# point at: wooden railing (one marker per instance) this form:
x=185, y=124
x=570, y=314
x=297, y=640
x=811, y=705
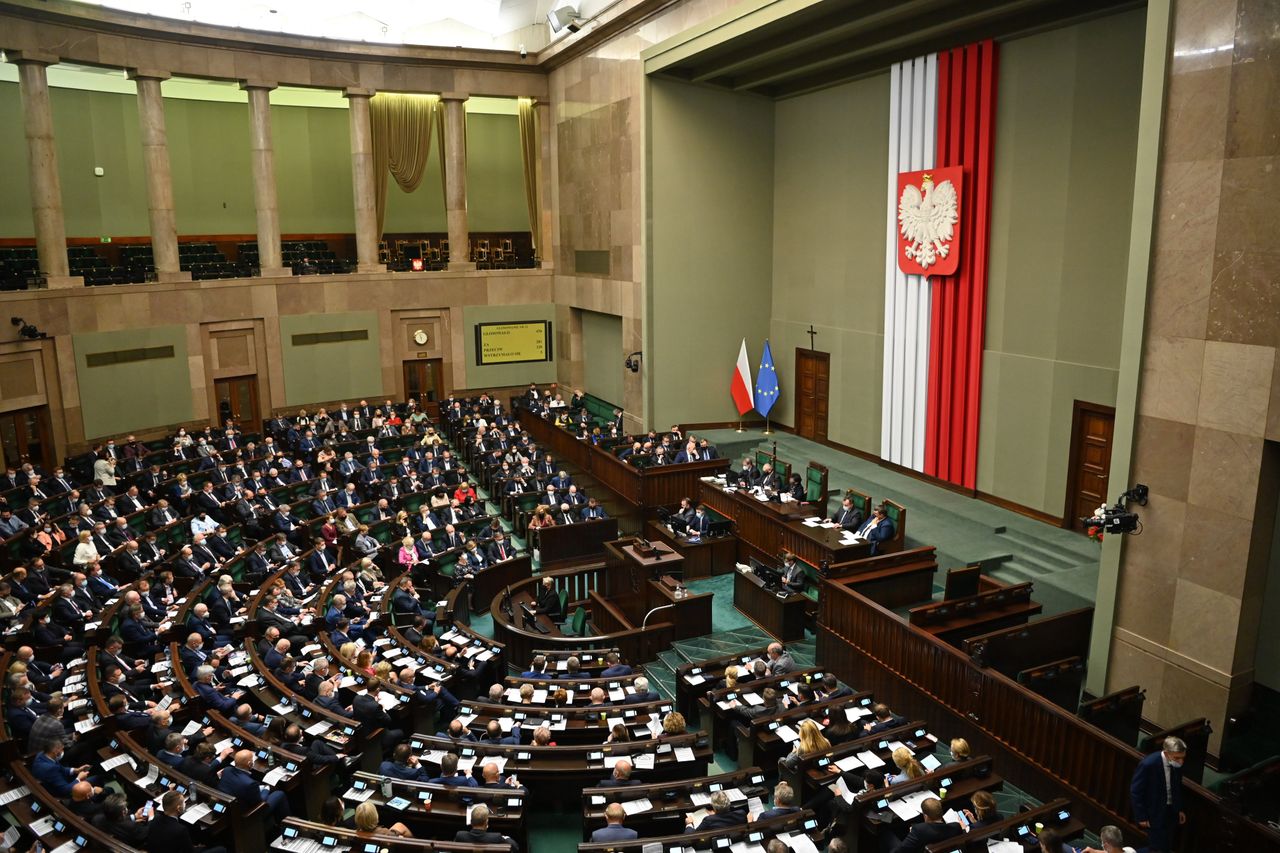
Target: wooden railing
x=662, y=485
x=1038, y=746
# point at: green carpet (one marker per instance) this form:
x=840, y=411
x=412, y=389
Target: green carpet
x=724, y=616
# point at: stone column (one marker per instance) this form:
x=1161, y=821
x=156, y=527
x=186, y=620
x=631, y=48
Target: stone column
x=262, y=156
x=1192, y=595
x=455, y=191
x=42, y=168
x=362, y=179
x=155, y=158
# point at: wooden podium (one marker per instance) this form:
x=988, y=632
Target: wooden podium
x=638, y=579
x=781, y=617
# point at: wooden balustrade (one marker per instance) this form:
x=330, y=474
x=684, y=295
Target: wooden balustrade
x=1039, y=747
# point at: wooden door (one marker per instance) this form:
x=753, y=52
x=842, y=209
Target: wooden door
x=424, y=381
x=1092, y=431
x=237, y=400
x=813, y=372
x=25, y=437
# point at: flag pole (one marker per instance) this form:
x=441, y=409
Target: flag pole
x=740, y=429
x=767, y=431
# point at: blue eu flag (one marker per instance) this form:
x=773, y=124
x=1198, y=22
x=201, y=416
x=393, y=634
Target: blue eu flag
x=766, y=383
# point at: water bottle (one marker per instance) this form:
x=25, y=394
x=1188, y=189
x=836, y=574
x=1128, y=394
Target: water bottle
x=386, y=788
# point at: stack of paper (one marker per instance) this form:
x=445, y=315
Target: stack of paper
x=799, y=842
x=908, y=807
x=636, y=806
x=275, y=776
x=192, y=814
x=870, y=760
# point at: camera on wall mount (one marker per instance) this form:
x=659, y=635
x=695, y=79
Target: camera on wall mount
x=633, y=362
x=26, y=329
x=1119, y=518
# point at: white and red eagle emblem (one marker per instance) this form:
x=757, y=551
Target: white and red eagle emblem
x=929, y=221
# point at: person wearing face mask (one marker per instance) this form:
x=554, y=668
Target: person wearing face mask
x=21, y=713
x=1156, y=794
x=56, y=635
x=700, y=523
x=56, y=778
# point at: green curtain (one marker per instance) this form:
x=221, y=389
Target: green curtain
x=400, y=129
x=529, y=145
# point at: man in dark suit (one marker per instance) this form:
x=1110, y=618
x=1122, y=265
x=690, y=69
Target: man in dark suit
x=613, y=830
x=239, y=782
x=848, y=517
x=167, y=833
x=699, y=523
x=877, y=529
x=366, y=709
x=479, y=832
x=404, y=765
x=327, y=698
x=50, y=772
x=640, y=692
x=621, y=776
x=793, y=577
x=616, y=668
x=593, y=511
x=784, y=798
x=832, y=689
x=929, y=830
x=722, y=816
x=548, y=603
x=747, y=477
x=499, y=549
x=21, y=713
x=405, y=600
x=881, y=719
x=1156, y=794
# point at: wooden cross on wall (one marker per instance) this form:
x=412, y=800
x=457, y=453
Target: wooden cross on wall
x=811, y=332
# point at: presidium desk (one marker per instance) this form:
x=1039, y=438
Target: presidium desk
x=767, y=528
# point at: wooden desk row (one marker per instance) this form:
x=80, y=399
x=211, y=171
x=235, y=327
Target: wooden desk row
x=768, y=528
x=662, y=485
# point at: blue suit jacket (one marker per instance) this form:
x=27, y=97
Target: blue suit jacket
x=56, y=778
x=614, y=833
x=1147, y=790
x=240, y=785
x=882, y=532
x=398, y=771
x=777, y=811
x=405, y=603
x=615, y=671
x=213, y=699
x=20, y=721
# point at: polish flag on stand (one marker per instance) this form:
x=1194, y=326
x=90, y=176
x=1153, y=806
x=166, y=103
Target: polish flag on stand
x=740, y=387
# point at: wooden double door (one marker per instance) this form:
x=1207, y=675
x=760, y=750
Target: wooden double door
x=813, y=393
x=25, y=437
x=238, y=400
x=424, y=381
